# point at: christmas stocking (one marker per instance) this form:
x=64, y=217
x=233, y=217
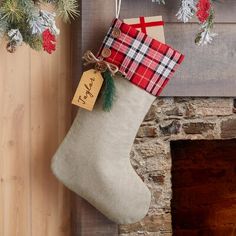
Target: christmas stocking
x=93, y=160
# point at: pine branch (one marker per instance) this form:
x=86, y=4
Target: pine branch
x=3, y=26
x=67, y=9
x=12, y=11
x=109, y=91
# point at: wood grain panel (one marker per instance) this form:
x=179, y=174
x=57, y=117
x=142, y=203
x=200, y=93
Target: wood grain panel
x=50, y=120
x=206, y=71
x=35, y=114
x=14, y=139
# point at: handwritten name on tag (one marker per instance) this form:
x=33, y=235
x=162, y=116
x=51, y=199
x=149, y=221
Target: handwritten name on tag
x=88, y=89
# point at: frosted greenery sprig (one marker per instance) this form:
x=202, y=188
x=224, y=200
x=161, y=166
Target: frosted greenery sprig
x=26, y=19
x=188, y=9
x=205, y=36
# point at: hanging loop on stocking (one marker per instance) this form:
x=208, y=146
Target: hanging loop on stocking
x=100, y=64
x=118, y=7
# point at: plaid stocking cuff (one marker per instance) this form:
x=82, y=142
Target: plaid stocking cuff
x=143, y=60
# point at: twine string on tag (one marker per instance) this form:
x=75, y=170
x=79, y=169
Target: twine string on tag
x=118, y=7
x=100, y=64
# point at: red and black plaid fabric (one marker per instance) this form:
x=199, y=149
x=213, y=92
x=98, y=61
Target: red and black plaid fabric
x=143, y=60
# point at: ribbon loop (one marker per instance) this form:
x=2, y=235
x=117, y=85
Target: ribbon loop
x=118, y=7
x=100, y=64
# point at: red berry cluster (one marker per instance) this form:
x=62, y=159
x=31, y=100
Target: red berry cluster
x=49, y=41
x=203, y=10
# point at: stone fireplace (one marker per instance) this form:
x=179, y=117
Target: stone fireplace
x=185, y=152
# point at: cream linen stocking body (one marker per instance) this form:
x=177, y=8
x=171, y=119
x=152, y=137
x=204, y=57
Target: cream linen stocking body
x=93, y=159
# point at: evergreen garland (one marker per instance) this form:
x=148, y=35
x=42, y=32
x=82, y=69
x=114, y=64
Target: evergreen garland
x=26, y=21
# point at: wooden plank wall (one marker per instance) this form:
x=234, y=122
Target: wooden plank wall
x=207, y=71
x=35, y=114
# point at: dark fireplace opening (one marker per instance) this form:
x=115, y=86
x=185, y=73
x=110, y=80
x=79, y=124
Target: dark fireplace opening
x=204, y=188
